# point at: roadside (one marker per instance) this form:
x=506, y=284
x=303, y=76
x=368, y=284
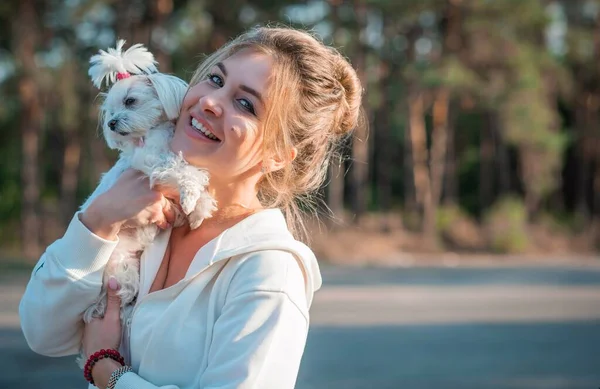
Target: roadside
x=393, y=240
x=417, y=327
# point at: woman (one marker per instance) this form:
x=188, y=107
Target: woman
x=226, y=305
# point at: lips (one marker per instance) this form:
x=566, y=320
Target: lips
x=202, y=129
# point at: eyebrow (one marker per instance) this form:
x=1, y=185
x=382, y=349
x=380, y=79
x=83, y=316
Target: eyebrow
x=245, y=88
x=222, y=67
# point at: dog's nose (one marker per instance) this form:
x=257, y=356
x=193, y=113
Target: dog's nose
x=112, y=124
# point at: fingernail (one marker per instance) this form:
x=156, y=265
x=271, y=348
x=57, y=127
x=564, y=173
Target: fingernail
x=112, y=283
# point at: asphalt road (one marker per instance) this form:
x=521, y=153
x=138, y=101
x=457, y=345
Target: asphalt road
x=382, y=328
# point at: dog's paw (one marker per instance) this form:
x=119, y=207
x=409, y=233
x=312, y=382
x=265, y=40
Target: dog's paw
x=195, y=219
x=81, y=360
x=128, y=294
x=188, y=200
x=95, y=310
x=205, y=206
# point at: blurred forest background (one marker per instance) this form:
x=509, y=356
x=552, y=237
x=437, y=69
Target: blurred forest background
x=484, y=125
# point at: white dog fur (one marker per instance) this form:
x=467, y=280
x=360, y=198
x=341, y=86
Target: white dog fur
x=138, y=115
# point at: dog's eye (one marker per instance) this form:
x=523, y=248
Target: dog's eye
x=129, y=101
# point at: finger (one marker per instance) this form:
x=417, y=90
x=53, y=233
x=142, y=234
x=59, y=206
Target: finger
x=161, y=222
x=159, y=219
x=168, y=192
x=113, y=305
x=168, y=210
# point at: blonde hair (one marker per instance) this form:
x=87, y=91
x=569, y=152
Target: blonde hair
x=314, y=103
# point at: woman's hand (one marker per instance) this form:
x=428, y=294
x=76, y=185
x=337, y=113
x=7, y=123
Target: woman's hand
x=128, y=203
x=104, y=333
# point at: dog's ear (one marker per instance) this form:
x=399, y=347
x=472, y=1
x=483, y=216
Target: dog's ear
x=170, y=91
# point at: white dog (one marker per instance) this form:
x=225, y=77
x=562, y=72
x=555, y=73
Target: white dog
x=138, y=115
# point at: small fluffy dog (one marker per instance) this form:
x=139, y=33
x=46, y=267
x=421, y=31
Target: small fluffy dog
x=138, y=115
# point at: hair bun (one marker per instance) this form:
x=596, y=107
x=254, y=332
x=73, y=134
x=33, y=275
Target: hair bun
x=348, y=112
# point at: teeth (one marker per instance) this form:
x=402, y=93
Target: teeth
x=198, y=126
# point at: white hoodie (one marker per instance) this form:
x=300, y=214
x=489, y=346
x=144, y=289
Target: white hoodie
x=238, y=319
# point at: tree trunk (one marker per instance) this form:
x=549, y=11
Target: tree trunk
x=385, y=160
x=383, y=152
x=335, y=189
x=160, y=10
x=418, y=135
x=595, y=230
x=124, y=21
x=99, y=161
x=453, y=45
x=26, y=33
x=385, y=164
x=592, y=108
x=486, y=155
x=450, y=192
x=410, y=193
x=582, y=157
x=68, y=185
x=225, y=22
x=439, y=142
x=360, y=144
x=502, y=158
x=529, y=161
x=70, y=121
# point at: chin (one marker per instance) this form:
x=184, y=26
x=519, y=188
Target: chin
x=178, y=143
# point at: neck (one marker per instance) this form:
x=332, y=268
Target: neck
x=233, y=211
x=236, y=199
x=223, y=218
x=233, y=203
x=241, y=194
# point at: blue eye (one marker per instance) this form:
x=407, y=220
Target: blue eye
x=215, y=79
x=247, y=105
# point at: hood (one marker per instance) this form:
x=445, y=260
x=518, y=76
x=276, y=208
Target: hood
x=265, y=230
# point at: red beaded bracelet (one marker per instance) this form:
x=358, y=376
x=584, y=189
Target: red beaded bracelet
x=98, y=355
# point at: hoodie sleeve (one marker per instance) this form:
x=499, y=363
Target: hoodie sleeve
x=63, y=284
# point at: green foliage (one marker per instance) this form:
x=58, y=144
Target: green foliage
x=506, y=226
x=531, y=122
x=450, y=73
x=447, y=216
x=10, y=188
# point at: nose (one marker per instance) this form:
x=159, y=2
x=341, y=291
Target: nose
x=112, y=124
x=210, y=104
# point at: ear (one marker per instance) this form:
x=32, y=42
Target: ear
x=275, y=163
x=170, y=91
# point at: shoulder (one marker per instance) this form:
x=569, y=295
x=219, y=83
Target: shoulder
x=271, y=271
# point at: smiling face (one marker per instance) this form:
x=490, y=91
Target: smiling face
x=221, y=124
